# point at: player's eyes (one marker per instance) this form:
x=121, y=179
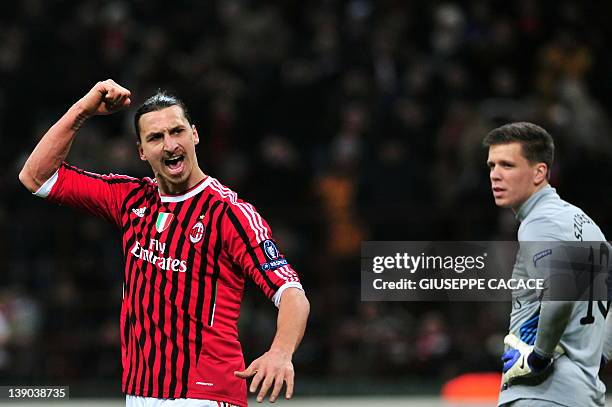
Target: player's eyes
x=502, y=165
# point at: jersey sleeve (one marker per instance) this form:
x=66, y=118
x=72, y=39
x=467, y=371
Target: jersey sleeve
x=99, y=195
x=554, y=318
x=251, y=246
x=546, y=257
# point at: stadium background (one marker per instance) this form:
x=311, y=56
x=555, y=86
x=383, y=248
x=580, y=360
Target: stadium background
x=341, y=121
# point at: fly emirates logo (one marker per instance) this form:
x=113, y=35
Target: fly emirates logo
x=155, y=254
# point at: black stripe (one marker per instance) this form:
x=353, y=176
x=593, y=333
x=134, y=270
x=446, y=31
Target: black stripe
x=202, y=280
x=126, y=333
x=124, y=205
x=101, y=178
x=174, y=310
x=243, y=235
x=215, y=276
x=125, y=338
x=186, y=319
x=131, y=225
x=146, y=192
x=135, y=357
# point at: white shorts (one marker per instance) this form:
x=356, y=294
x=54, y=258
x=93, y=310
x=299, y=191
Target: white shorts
x=139, y=401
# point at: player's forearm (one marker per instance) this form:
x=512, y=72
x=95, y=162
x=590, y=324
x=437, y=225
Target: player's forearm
x=292, y=316
x=554, y=317
x=52, y=149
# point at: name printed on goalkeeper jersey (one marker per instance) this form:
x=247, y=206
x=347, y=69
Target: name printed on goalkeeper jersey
x=165, y=263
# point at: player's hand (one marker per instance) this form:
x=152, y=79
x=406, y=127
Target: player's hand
x=521, y=362
x=270, y=370
x=104, y=98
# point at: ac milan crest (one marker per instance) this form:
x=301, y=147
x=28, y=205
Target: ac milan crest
x=197, y=231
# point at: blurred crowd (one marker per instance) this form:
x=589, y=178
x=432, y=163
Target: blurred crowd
x=341, y=121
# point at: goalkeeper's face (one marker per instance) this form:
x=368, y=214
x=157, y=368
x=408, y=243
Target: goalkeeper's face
x=513, y=178
x=167, y=143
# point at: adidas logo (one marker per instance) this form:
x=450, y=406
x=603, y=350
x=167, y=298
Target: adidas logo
x=140, y=212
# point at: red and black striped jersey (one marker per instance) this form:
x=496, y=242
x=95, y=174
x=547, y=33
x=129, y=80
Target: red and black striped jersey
x=186, y=260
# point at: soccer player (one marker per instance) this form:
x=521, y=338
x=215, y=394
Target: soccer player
x=555, y=356
x=189, y=243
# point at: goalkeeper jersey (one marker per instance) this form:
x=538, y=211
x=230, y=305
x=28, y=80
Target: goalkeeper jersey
x=545, y=217
x=186, y=261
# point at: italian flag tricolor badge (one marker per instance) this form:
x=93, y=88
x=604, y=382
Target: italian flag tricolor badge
x=163, y=221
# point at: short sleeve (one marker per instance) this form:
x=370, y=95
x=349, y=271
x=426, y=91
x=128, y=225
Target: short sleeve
x=99, y=195
x=251, y=246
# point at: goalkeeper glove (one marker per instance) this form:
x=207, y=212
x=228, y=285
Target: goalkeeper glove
x=521, y=362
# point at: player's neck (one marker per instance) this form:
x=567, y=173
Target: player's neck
x=538, y=188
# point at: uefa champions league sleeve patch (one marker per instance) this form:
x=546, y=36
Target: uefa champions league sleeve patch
x=270, y=249
x=273, y=255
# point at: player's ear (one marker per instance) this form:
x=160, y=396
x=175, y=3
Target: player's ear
x=540, y=173
x=141, y=153
x=196, y=137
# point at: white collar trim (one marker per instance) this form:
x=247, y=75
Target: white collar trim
x=192, y=193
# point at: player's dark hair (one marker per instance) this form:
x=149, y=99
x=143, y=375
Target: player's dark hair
x=537, y=145
x=159, y=101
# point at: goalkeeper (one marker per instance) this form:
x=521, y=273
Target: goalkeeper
x=555, y=348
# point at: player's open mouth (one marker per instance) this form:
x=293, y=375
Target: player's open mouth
x=175, y=164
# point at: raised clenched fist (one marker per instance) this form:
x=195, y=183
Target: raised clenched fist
x=104, y=98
